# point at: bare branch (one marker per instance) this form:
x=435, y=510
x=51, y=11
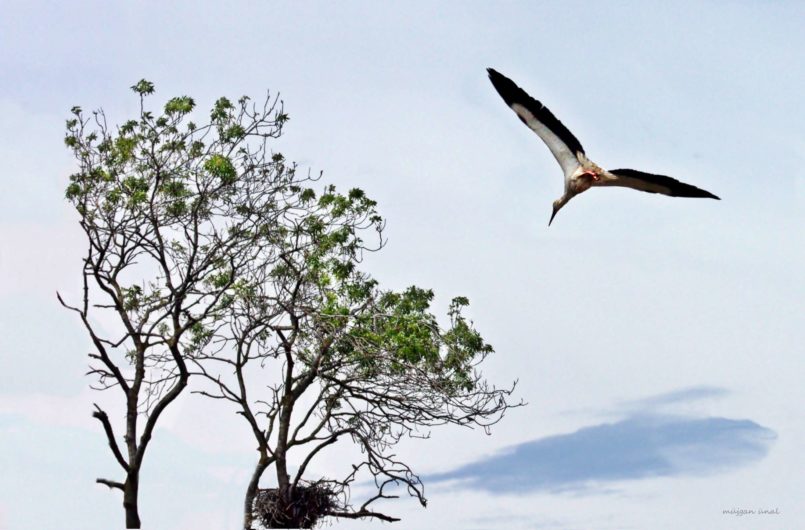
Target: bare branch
x=110, y=436
x=110, y=483
x=362, y=514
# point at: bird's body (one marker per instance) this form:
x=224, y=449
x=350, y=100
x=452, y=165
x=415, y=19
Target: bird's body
x=580, y=172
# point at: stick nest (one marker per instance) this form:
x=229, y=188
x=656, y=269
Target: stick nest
x=304, y=509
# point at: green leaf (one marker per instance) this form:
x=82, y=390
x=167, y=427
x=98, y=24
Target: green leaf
x=307, y=195
x=177, y=208
x=196, y=148
x=235, y=132
x=143, y=87
x=124, y=147
x=180, y=105
x=73, y=191
x=132, y=298
x=128, y=127
x=220, y=110
x=221, y=167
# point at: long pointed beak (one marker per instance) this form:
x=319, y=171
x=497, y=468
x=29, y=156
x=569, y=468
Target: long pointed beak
x=553, y=215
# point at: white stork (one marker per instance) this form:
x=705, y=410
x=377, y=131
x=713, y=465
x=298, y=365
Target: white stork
x=580, y=172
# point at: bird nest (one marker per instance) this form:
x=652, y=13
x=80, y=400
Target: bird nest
x=304, y=509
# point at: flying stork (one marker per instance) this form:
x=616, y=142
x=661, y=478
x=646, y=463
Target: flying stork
x=580, y=172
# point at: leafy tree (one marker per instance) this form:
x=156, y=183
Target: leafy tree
x=344, y=360
x=174, y=215
x=209, y=255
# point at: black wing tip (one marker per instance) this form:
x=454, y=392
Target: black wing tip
x=690, y=191
x=507, y=88
x=707, y=195
x=675, y=187
x=493, y=73
x=514, y=95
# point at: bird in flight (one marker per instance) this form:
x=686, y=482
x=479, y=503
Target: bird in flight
x=580, y=172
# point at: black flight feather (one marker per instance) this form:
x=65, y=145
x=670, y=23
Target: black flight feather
x=511, y=94
x=675, y=188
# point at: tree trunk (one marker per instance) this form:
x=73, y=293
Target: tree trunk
x=280, y=462
x=283, y=479
x=130, y=499
x=251, y=493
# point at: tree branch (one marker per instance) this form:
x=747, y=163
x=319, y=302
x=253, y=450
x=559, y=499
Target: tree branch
x=363, y=513
x=111, y=483
x=110, y=436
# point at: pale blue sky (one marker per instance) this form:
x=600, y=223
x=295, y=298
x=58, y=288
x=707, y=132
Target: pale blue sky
x=685, y=312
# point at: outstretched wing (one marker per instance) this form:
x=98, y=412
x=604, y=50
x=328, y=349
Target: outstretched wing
x=563, y=145
x=638, y=180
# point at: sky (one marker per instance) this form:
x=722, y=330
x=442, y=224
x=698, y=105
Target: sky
x=657, y=341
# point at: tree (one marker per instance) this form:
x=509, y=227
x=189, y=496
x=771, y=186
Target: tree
x=174, y=215
x=209, y=255
x=342, y=360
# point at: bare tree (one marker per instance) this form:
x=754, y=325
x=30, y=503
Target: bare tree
x=343, y=361
x=174, y=215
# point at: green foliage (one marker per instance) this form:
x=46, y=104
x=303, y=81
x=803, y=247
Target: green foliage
x=220, y=280
x=250, y=260
x=158, y=178
x=397, y=332
x=143, y=87
x=233, y=132
x=196, y=148
x=128, y=127
x=221, y=168
x=159, y=190
x=173, y=167
x=180, y=105
x=409, y=329
x=307, y=195
x=73, y=191
x=132, y=297
x=221, y=111
x=136, y=188
x=200, y=336
x=124, y=149
x=174, y=188
x=384, y=332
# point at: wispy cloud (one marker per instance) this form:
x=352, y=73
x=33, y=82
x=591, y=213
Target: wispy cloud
x=684, y=395
x=645, y=444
